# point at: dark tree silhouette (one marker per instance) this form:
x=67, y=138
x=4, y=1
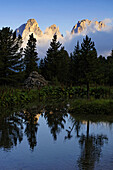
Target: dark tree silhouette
x=87, y=62
x=55, y=66
x=11, y=62
x=74, y=65
x=52, y=58
x=31, y=56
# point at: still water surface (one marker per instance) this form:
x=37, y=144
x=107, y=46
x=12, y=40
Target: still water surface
x=52, y=139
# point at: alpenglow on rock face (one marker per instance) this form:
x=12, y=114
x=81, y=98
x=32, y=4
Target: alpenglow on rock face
x=32, y=27
x=53, y=29
x=82, y=25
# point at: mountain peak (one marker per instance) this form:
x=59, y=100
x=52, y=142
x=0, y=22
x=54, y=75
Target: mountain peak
x=31, y=22
x=82, y=25
x=53, y=29
x=53, y=26
x=32, y=27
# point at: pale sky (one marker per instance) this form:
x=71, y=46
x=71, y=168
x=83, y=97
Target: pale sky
x=63, y=13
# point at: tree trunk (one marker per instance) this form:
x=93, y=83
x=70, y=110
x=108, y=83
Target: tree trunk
x=87, y=90
x=110, y=91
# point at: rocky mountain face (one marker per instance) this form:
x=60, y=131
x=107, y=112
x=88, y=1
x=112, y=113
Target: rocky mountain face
x=53, y=29
x=32, y=27
x=19, y=31
x=82, y=25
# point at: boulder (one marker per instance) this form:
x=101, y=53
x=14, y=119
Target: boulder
x=35, y=80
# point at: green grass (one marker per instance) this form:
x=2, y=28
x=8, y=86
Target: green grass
x=101, y=98
x=92, y=107
x=76, y=92
x=14, y=97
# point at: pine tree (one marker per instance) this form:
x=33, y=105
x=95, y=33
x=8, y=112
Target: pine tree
x=87, y=62
x=74, y=70
x=10, y=56
x=112, y=53
x=52, y=58
x=109, y=69
x=56, y=64
x=31, y=56
x=101, y=70
x=63, y=66
x=41, y=66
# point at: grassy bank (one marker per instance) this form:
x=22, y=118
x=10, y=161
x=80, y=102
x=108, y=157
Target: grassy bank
x=14, y=97
x=92, y=107
x=76, y=92
x=101, y=98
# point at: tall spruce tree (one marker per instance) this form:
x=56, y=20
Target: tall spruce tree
x=56, y=64
x=112, y=53
x=109, y=69
x=52, y=58
x=87, y=62
x=31, y=56
x=63, y=66
x=102, y=71
x=41, y=66
x=74, y=65
x=10, y=56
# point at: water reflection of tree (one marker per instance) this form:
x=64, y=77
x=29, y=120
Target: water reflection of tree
x=11, y=127
x=91, y=148
x=76, y=124
x=31, y=117
x=55, y=116
x=91, y=145
x=10, y=131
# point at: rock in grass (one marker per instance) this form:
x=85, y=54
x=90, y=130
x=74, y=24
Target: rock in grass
x=35, y=80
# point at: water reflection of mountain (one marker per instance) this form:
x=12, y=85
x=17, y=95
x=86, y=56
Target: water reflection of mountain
x=14, y=127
